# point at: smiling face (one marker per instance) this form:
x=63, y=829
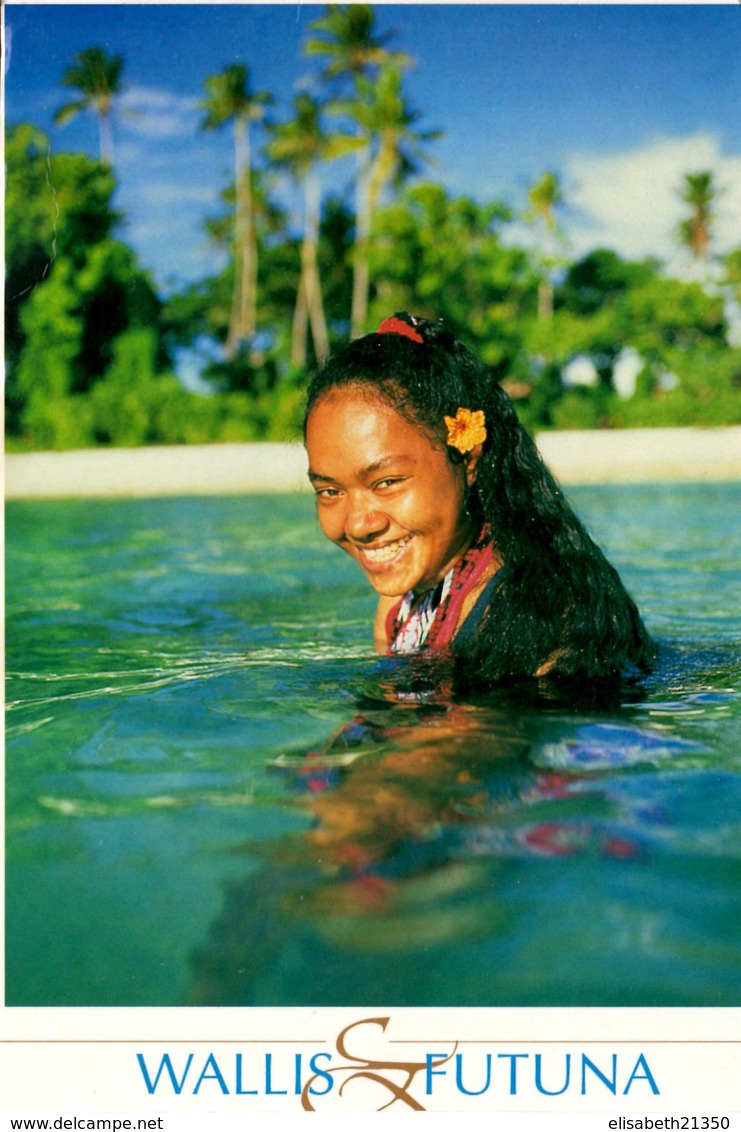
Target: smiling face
x=386, y=493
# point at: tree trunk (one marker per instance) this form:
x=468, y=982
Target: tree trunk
x=361, y=270
x=298, y=328
x=545, y=299
x=105, y=135
x=310, y=271
x=244, y=300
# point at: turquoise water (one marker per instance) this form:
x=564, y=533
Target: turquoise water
x=217, y=794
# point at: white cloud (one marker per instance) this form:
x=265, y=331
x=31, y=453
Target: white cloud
x=164, y=194
x=164, y=221
x=630, y=201
x=157, y=114
x=174, y=251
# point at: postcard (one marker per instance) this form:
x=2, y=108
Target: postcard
x=372, y=460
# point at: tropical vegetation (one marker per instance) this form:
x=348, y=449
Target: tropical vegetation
x=92, y=343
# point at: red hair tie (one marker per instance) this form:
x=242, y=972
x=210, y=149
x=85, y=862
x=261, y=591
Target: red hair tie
x=398, y=326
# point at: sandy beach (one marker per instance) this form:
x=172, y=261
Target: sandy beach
x=625, y=456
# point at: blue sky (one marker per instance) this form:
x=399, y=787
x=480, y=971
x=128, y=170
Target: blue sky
x=619, y=100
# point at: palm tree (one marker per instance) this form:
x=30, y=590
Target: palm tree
x=355, y=50
x=543, y=197
x=230, y=99
x=300, y=145
x=349, y=38
x=267, y=218
x=400, y=146
x=97, y=76
x=395, y=149
x=695, y=232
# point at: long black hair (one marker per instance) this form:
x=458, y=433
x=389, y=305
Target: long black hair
x=556, y=599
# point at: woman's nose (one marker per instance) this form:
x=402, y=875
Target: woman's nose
x=363, y=520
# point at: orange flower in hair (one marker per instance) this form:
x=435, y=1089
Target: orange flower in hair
x=466, y=429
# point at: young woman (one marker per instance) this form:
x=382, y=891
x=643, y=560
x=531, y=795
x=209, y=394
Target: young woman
x=424, y=475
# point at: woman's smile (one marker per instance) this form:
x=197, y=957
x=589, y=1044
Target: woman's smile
x=387, y=493
x=384, y=556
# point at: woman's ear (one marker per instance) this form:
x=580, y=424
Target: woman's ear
x=472, y=459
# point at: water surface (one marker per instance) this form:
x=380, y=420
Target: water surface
x=217, y=794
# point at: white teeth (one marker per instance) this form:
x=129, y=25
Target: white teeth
x=384, y=553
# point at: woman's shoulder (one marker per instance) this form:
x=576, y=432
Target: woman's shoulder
x=483, y=588
x=385, y=612
x=476, y=601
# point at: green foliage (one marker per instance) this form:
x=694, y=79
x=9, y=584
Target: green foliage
x=245, y=373
x=200, y=310
x=88, y=340
x=732, y=272
x=666, y=313
x=96, y=76
x=600, y=278
x=74, y=328
x=56, y=208
x=444, y=257
x=230, y=96
x=695, y=232
x=335, y=243
x=125, y=400
x=583, y=408
x=567, y=334
x=115, y=295
x=347, y=36
x=77, y=301
x=703, y=389
x=41, y=382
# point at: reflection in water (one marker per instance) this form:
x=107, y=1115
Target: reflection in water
x=440, y=850
x=422, y=809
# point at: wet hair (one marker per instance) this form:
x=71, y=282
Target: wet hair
x=556, y=598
